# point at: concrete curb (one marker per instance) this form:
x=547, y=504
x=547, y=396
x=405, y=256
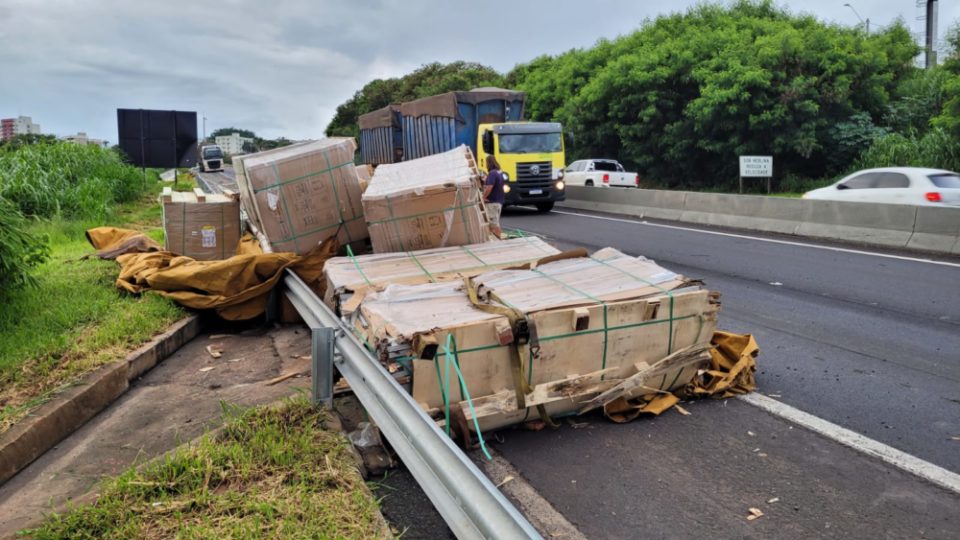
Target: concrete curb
x=67, y=412
x=918, y=228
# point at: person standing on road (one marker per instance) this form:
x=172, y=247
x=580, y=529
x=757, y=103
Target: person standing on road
x=493, y=194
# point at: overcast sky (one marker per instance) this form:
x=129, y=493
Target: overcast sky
x=280, y=67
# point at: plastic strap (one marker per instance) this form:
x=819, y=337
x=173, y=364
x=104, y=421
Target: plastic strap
x=279, y=183
x=450, y=351
x=606, y=326
x=357, y=264
x=336, y=193
x=463, y=214
x=661, y=289
x=286, y=211
x=392, y=219
x=474, y=255
x=425, y=271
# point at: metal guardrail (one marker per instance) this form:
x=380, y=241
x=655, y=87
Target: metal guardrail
x=466, y=499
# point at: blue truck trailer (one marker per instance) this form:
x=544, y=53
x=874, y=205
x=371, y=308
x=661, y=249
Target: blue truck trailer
x=530, y=153
x=380, y=136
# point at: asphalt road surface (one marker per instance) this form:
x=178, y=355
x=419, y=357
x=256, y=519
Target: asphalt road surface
x=868, y=341
x=216, y=182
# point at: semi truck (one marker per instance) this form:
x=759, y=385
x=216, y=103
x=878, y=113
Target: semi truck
x=211, y=158
x=489, y=121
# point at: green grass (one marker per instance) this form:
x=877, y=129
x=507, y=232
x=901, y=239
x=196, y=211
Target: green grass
x=273, y=472
x=74, y=319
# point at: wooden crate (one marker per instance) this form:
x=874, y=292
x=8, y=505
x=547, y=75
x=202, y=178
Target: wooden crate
x=598, y=322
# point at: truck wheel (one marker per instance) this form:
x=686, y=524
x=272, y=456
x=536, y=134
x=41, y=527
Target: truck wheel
x=544, y=206
x=588, y=183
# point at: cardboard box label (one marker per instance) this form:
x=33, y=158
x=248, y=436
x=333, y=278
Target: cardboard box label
x=208, y=236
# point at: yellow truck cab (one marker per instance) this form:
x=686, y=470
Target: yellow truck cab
x=531, y=155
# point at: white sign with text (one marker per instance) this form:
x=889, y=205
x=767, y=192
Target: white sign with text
x=756, y=166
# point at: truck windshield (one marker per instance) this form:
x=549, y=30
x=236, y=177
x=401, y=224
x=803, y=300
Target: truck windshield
x=212, y=153
x=529, y=143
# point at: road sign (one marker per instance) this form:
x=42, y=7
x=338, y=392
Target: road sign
x=756, y=166
x=164, y=139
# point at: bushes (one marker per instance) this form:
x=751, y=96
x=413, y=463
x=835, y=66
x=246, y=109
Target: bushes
x=67, y=180
x=19, y=250
x=54, y=179
x=936, y=149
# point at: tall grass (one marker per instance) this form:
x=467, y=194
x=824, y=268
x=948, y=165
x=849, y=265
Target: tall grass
x=936, y=149
x=67, y=180
x=54, y=180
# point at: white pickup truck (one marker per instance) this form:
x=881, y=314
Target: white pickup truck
x=599, y=172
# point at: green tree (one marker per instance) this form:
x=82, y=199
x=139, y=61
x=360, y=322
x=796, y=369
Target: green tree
x=949, y=117
x=681, y=97
x=428, y=80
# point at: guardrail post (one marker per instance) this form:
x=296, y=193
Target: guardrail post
x=322, y=342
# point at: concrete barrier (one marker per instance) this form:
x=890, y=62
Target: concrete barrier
x=922, y=228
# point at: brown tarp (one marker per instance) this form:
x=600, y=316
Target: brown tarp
x=446, y=104
x=236, y=288
x=383, y=117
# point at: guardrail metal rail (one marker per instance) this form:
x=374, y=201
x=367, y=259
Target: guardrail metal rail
x=466, y=499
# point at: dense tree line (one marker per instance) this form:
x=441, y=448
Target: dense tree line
x=680, y=98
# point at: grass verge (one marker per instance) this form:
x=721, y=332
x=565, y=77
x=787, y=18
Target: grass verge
x=272, y=472
x=75, y=319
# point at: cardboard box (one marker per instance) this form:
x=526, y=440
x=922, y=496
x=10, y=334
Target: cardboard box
x=202, y=226
x=345, y=276
x=300, y=195
x=426, y=203
x=578, y=327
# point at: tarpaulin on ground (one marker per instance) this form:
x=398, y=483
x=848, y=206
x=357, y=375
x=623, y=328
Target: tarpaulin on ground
x=236, y=288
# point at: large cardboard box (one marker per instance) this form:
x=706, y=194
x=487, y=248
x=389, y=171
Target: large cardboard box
x=300, y=195
x=345, y=276
x=426, y=203
x=202, y=226
x=556, y=335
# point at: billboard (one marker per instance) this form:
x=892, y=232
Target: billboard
x=161, y=139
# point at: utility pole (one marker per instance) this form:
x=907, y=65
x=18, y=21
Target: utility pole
x=866, y=23
x=931, y=34
x=204, y=128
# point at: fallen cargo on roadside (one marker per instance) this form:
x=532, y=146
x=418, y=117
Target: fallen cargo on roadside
x=345, y=276
x=426, y=203
x=509, y=346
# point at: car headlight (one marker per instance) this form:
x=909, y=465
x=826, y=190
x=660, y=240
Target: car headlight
x=560, y=184
x=560, y=176
x=506, y=188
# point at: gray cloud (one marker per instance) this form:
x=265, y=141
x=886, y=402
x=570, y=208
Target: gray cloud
x=282, y=67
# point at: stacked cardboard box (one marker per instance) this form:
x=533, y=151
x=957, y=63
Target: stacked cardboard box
x=555, y=336
x=345, y=276
x=298, y=196
x=202, y=226
x=426, y=203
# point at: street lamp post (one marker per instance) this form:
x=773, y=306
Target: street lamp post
x=865, y=23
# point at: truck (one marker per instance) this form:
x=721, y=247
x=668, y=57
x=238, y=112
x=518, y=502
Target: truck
x=211, y=158
x=487, y=120
x=600, y=173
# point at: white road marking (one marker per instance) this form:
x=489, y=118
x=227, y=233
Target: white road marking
x=911, y=464
x=761, y=239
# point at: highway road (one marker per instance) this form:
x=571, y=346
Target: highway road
x=863, y=340
x=868, y=341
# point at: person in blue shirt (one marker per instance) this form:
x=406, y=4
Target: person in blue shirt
x=493, y=194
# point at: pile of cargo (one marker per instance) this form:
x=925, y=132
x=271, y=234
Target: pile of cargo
x=483, y=331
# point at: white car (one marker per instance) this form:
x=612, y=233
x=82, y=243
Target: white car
x=895, y=185
x=599, y=172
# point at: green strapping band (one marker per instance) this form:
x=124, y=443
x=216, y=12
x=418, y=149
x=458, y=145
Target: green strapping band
x=336, y=193
x=286, y=211
x=357, y=265
x=472, y=254
x=603, y=364
x=313, y=231
x=463, y=216
x=421, y=214
x=450, y=350
x=661, y=289
x=299, y=178
x=425, y=271
x=396, y=228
